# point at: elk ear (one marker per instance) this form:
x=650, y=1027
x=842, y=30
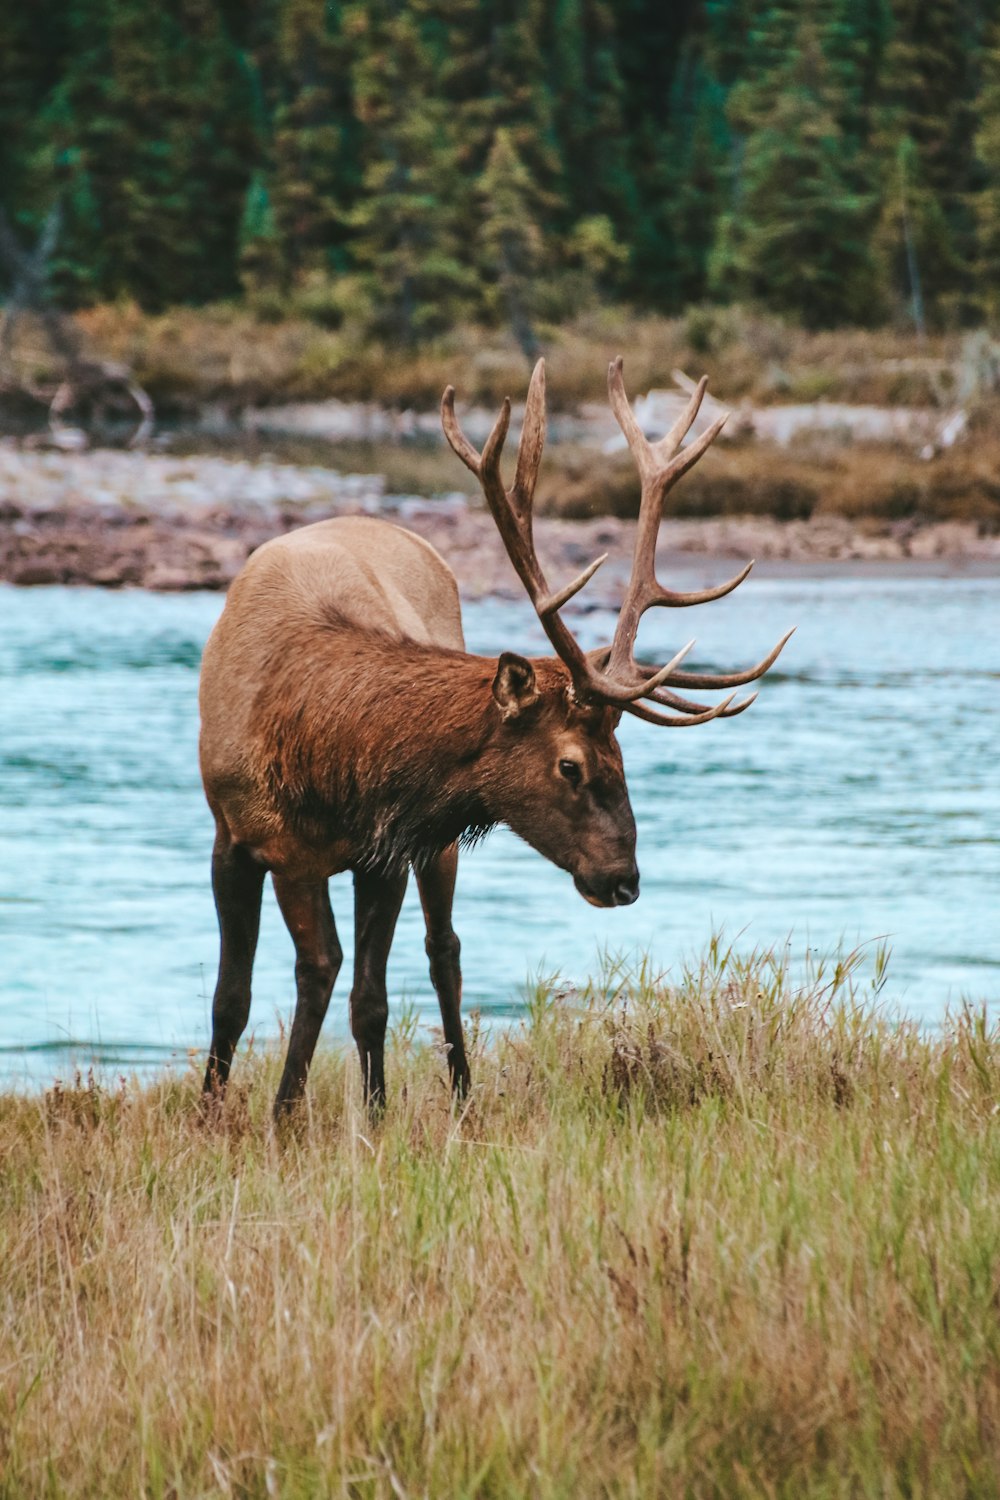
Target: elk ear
x=514, y=686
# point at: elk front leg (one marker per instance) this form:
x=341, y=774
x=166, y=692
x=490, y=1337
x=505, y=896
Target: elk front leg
x=237, y=882
x=436, y=883
x=377, y=899
x=305, y=906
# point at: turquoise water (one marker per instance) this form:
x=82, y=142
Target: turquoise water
x=859, y=798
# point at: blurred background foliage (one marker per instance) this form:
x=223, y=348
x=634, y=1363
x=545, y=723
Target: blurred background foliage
x=409, y=164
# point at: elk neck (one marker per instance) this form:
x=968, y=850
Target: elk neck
x=385, y=740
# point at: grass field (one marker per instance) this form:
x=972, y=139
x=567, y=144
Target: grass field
x=732, y=1238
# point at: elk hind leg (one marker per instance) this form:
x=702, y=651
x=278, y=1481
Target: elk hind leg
x=305, y=906
x=436, y=883
x=237, y=882
x=377, y=899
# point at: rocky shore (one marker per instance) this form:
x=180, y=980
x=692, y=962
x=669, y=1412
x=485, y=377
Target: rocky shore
x=117, y=519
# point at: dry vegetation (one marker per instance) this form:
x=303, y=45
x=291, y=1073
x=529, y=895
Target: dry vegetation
x=192, y=355
x=224, y=356
x=188, y=357
x=725, y=1239
x=876, y=484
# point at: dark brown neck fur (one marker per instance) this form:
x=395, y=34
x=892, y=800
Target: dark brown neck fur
x=381, y=741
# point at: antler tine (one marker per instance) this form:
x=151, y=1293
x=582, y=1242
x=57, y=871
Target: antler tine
x=667, y=446
x=556, y=601
x=642, y=689
x=687, y=458
x=529, y=449
x=513, y=526
x=511, y=510
x=625, y=417
x=687, y=705
x=612, y=674
x=682, y=721
x=453, y=432
x=660, y=466
x=732, y=679
x=674, y=600
x=649, y=456
x=598, y=658
x=621, y=694
x=663, y=695
x=489, y=462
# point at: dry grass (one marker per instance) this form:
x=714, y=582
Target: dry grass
x=867, y=482
x=876, y=482
x=729, y=1239
x=188, y=356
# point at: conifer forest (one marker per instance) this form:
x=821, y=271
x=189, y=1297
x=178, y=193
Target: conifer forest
x=419, y=162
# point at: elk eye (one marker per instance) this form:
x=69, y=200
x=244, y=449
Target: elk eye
x=571, y=770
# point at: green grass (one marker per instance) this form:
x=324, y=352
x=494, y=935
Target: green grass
x=733, y=1238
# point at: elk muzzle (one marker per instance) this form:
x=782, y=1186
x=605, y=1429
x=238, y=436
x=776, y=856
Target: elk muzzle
x=610, y=887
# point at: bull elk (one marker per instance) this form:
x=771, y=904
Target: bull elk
x=345, y=727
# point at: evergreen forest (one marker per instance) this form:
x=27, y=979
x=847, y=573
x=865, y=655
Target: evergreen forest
x=414, y=163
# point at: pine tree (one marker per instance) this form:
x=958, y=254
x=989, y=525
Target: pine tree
x=659, y=53
x=692, y=179
x=32, y=55
x=987, y=259
x=407, y=224
x=149, y=147
x=854, y=36
x=588, y=114
x=211, y=147
x=336, y=148
x=260, y=257
x=511, y=241
x=796, y=239
x=518, y=97
x=314, y=175
x=924, y=156
x=491, y=61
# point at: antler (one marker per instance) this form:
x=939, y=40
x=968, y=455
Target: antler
x=611, y=675
x=660, y=466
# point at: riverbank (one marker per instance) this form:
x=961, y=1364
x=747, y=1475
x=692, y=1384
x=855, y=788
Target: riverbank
x=848, y=446
x=116, y=519
x=724, y=1238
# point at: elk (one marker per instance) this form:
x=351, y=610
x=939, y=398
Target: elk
x=345, y=727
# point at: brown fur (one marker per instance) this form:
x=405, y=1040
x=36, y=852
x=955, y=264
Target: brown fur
x=345, y=727
x=341, y=751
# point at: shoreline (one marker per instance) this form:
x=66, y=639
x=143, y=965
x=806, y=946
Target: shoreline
x=697, y=1206
x=116, y=520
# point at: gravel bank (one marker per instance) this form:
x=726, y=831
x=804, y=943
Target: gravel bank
x=117, y=519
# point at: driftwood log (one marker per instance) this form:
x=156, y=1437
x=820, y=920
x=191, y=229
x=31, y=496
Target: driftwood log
x=83, y=381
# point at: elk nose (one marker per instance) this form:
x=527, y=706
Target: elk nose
x=627, y=890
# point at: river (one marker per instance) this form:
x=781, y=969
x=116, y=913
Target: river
x=858, y=799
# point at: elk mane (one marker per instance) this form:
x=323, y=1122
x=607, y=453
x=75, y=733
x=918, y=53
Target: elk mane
x=361, y=729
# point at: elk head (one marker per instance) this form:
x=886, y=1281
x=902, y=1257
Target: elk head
x=567, y=795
